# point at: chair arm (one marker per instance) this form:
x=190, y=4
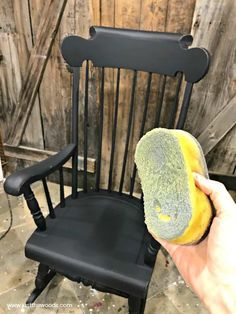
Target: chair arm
x=228, y=180
x=16, y=183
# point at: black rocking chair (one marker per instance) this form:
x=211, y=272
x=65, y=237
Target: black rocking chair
x=98, y=236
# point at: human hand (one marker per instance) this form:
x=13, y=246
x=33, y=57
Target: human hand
x=209, y=267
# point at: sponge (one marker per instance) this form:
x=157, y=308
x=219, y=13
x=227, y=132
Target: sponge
x=175, y=209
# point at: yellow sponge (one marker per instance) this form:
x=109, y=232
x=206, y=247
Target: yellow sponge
x=175, y=209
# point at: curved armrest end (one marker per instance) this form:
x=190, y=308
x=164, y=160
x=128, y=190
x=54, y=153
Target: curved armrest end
x=16, y=182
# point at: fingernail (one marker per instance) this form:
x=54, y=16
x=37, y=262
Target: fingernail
x=196, y=175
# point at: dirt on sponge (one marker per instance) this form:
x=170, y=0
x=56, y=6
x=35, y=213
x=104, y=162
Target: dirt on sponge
x=175, y=209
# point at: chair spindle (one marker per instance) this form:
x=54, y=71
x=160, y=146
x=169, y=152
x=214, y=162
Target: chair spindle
x=86, y=126
x=174, y=106
x=48, y=198
x=185, y=105
x=75, y=108
x=98, y=171
x=114, y=130
x=142, y=129
x=34, y=208
x=128, y=131
x=62, y=195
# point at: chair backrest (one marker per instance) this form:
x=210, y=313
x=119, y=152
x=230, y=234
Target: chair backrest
x=153, y=52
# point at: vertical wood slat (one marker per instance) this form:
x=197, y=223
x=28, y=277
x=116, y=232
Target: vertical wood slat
x=174, y=106
x=34, y=131
x=49, y=25
x=55, y=88
x=142, y=129
x=86, y=126
x=62, y=194
x=126, y=15
x=213, y=22
x=16, y=44
x=74, y=135
x=98, y=170
x=114, y=130
x=185, y=105
x=107, y=18
x=128, y=131
x=48, y=198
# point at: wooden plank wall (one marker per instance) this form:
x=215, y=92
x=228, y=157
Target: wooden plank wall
x=48, y=126
x=16, y=44
x=212, y=115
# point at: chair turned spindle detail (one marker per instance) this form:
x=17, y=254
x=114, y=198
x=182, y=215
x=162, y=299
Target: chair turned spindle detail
x=35, y=209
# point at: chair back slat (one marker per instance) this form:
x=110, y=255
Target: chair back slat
x=114, y=129
x=101, y=112
x=174, y=106
x=74, y=119
x=185, y=105
x=62, y=194
x=48, y=198
x=144, y=118
x=86, y=125
x=131, y=111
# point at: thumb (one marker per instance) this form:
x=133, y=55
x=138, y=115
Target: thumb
x=222, y=200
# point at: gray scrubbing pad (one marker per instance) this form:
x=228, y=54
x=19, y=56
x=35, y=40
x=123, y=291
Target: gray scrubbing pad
x=156, y=168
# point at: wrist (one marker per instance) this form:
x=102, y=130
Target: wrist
x=220, y=299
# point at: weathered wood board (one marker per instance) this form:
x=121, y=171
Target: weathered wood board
x=36, y=155
x=15, y=46
x=51, y=17
x=213, y=27
x=48, y=126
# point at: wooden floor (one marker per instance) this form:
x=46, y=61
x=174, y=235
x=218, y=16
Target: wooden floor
x=168, y=293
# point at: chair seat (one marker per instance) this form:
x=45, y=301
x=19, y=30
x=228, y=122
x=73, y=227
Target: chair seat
x=100, y=237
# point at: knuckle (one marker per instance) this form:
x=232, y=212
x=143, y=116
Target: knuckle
x=219, y=187
x=217, y=190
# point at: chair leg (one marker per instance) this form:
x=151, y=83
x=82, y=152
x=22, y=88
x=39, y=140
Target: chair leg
x=43, y=277
x=136, y=305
